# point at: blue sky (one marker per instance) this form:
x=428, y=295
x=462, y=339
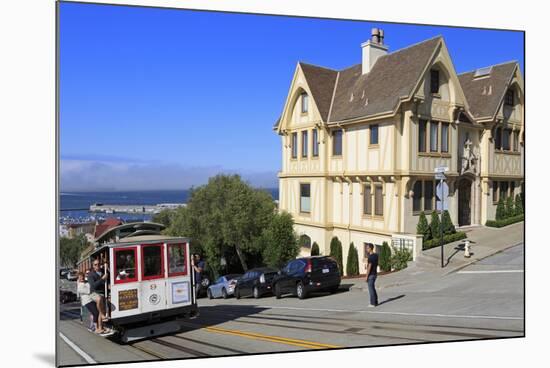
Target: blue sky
x=163, y=99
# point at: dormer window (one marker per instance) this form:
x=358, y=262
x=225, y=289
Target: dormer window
x=434, y=81
x=509, y=98
x=304, y=103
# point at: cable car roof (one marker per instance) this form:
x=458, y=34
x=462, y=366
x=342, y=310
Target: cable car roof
x=139, y=240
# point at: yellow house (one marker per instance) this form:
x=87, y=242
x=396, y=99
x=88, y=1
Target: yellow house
x=360, y=145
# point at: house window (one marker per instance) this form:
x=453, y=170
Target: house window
x=509, y=98
x=495, y=191
x=516, y=141
x=428, y=195
x=434, y=81
x=378, y=201
x=374, y=134
x=417, y=196
x=503, y=190
x=294, y=145
x=498, y=138
x=422, y=135
x=444, y=137
x=304, y=143
x=434, y=130
x=337, y=142
x=506, y=139
x=305, y=198
x=305, y=101
x=315, y=146
x=367, y=200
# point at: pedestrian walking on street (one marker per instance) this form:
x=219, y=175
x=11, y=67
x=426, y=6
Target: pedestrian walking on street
x=372, y=272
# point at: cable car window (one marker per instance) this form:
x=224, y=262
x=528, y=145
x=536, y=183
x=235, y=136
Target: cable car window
x=125, y=265
x=176, y=260
x=152, y=261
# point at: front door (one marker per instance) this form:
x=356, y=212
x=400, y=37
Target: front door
x=464, y=202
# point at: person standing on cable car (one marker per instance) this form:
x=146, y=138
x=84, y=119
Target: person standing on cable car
x=198, y=269
x=96, y=279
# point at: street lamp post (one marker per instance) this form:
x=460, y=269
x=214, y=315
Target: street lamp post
x=440, y=175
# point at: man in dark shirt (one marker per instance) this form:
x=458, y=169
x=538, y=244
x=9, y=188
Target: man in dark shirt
x=198, y=268
x=372, y=272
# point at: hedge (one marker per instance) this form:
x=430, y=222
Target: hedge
x=446, y=239
x=505, y=222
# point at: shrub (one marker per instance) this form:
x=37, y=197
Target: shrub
x=435, y=225
x=501, y=211
x=509, y=207
x=519, y=206
x=446, y=239
x=400, y=257
x=504, y=222
x=336, y=253
x=315, y=249
x=448, y=227
x=352, y=266
x=385, y=257
x=422, y=228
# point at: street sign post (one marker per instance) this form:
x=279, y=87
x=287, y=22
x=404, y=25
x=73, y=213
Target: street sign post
x=440, y=175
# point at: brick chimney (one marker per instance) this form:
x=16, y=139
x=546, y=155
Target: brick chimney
x=373, y=49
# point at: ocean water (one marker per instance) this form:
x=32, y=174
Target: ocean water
x=74, y=205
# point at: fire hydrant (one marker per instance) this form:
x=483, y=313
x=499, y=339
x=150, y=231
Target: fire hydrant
x=466, y=249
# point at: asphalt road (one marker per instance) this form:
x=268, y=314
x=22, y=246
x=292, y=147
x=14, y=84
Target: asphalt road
x=482, y=301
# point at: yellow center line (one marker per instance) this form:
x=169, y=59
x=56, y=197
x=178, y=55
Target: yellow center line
x=277, y=339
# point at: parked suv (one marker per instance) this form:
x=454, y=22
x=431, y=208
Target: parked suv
x=305, y=275
x=255, y=282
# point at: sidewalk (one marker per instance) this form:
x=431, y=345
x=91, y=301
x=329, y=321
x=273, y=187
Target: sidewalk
x=484, y=242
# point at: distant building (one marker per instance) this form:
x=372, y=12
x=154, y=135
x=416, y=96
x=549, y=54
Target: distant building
x=360, y=145
x=75, y=230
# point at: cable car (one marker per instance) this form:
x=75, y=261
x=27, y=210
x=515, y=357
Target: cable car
x=150, y=286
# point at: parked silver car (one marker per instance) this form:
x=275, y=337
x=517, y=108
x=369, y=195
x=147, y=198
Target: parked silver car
x=223, y=287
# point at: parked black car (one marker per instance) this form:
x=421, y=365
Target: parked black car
x=302, y=276
x=255, y=282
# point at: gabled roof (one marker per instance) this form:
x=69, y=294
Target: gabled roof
x=484, y=94
x=106, y=225
x=393, y=77
x=321, y=83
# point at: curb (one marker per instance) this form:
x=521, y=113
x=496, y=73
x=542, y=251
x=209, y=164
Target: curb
x=456, y=269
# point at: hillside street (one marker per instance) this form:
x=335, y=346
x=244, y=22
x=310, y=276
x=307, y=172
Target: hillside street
x=478, y=298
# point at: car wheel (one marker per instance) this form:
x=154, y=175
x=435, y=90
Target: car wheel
x=300, y=291
x=237, y=294
x=209, y=293
x=224, y=293
x=277, y=291
x=256, y=292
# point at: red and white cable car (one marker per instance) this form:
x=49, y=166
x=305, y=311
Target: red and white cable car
x=150, y=286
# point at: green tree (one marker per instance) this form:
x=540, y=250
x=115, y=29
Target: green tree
x=228, y=214
x=315, y=249
x=70, y=249
x=435, y=225
x=352, y=265
x=336, y=253
x=280, y=243
x=385, y=257
x=448, y=227
x=519, y=205
x=164, y=217
x=509, y=207
x=422, y=228
x=501, y=211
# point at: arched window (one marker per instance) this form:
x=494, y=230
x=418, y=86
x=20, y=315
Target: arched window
x=305, y=241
